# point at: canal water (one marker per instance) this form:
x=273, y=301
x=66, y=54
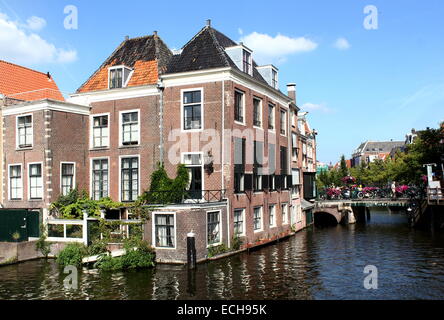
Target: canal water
x=323, y=263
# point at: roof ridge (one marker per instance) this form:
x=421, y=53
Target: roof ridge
x=195, y=36
x=23, y=67
x=218, y=46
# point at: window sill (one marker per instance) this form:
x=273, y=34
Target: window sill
x=240, y=123
x=24, y=149
x=257, y=127
x=130, y=146
x=257, y=231
x=99, y=149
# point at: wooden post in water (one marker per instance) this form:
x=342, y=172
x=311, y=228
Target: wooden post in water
x=191, y=250
x=367, y=210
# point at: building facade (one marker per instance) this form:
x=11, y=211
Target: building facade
x=209, y=107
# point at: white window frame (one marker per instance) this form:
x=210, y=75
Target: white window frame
x=29, y=182
x=272, y=208
x=17, y=142
x=250, y=61
x=276, y=85
x=262, y=219
x=243, y=233
x=182, y=158
x=285, y=122
x=153, y=238
x=9, y=181
x=274, y=117
x=220, y=228
x=243, y=106
x=202, y=109
x=286, y=221
x=91, y=176
x=260, y=112
x=124, y=84
x=61, y=176
x=91, y=129
x=120, y=174
x=121, y=145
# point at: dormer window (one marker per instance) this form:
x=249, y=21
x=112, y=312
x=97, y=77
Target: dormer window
x=119, y=77
x=270, y=74
x=274, y=78
x=246, y=62
x=242, y=58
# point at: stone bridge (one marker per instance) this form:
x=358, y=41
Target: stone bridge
x=350, y=211
x=328, y=212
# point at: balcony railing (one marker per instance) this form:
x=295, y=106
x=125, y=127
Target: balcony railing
x=167, y=197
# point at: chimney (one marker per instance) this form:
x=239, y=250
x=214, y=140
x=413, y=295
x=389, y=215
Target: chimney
x=48, y=75
x=126, y=38
x=291, y=89
x=208, y=22
x=155, y=33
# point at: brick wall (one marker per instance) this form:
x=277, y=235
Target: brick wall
x=148, y=148
x=57, y=136
x=192, y=218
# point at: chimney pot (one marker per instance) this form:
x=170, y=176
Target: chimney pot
x=155, y=32
x=126, y=38
x=208, y=22
x=291, y=91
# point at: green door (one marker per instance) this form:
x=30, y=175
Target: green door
x=33, y=224
x=19, y=225
x=13, y=225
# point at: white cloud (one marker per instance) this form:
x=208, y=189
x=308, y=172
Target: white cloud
x=35, y=23
x=20, y=46
x=342, y=44
x=266, y=47
x=322, y=107
x=241, y=32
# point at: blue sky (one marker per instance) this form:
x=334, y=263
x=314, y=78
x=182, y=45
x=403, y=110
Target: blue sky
x=357, y=84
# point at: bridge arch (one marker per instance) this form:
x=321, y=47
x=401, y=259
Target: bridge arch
x=327, y=216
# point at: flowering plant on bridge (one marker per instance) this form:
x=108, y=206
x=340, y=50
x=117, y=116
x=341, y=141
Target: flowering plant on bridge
x=348, y=180
x=402, y=189
x=333, y=192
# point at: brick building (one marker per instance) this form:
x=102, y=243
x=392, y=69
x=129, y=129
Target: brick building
x=19, y=84
x=209, y=107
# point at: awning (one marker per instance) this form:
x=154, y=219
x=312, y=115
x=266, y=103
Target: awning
x=306, y=205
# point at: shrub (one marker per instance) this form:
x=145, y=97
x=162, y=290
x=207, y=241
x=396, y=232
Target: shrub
x=42, y=245
x=214, y=251
x=97, y=247
x=72, y=255
x=141, y=256
x=236, y=243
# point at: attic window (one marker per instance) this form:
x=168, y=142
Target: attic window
x=274, y=78
x=246, y=61
x=119, y=77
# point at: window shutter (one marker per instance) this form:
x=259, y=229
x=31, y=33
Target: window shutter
x=277, y=181
x=265, y=180
x=248, y=182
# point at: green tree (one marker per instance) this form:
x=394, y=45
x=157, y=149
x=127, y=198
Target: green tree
x=343, y=170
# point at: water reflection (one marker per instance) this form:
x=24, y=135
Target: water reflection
x=315, y=264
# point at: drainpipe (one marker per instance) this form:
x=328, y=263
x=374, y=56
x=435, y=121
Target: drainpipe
x=223, y=162
x=161, y=88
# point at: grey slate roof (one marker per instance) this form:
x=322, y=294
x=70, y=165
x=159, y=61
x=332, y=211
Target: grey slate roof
x=384, y=146
x=206, y=50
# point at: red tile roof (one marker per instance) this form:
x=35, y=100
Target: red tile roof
x=26, y=84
